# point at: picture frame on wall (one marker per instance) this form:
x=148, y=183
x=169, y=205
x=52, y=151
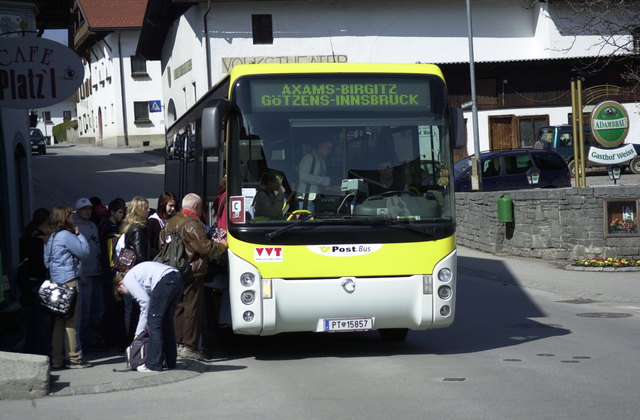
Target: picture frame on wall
x=621, y=217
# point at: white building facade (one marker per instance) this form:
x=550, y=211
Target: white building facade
x=120, y=101
x=205, y=42
x=52, y=115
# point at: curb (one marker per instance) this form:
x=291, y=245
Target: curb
x=186, y=369
x=605, y=269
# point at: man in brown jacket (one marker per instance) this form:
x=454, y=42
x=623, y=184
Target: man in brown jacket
x=199, y=249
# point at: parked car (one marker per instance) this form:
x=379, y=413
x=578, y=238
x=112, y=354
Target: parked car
x=514, y=170
x=38, y=141
x=559, y=138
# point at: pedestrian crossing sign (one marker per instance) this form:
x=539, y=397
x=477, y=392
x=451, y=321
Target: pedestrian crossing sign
x=155, y=106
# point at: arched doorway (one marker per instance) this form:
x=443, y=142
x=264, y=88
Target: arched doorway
x=100, y=124
x=171, y=113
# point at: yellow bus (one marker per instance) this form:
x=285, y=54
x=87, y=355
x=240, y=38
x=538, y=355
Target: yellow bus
x=356, y=160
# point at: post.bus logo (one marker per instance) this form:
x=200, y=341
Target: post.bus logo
x=268, y=254
x=344, y=250
x=610, y=123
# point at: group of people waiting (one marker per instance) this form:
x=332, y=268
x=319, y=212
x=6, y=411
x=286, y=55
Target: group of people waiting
x=76, y=247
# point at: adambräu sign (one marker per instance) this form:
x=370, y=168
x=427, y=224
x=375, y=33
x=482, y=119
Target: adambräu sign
x=37, y=72
x=610, y=126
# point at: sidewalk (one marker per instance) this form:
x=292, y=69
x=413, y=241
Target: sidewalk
x=556, y=277
x=109, y=373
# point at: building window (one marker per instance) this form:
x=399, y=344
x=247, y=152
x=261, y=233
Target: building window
x=621, y=217
x=262, y=28
x=138, y=66
x=141, y=112
x=528, y=129
x=47, y=117
x=66, y=115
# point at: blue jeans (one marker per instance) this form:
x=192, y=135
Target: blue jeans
x=91, y=310
x=162, y=336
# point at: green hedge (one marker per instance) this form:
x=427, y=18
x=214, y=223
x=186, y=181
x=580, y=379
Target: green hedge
x=60, y=131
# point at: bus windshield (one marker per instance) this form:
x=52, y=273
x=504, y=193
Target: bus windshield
x=339, y=149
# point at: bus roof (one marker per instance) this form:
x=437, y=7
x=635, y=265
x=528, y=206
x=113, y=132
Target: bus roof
x=302, y=68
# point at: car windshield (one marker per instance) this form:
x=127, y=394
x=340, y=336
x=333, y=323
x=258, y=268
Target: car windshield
x=35, y=132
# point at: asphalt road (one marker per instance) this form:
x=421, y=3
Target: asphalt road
x=68, y=172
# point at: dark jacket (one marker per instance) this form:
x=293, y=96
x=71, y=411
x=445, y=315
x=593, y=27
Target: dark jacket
x=267, y=204
x=138, y=240
x=200, y=249
x=36, y=270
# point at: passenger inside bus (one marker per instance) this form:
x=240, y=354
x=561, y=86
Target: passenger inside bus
x=312, y=174
x=388, y=178
x=270, y=200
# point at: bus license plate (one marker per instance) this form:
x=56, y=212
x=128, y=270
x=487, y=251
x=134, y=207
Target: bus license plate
x=359, y=324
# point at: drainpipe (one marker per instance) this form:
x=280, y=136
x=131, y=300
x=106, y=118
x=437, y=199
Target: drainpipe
x=123, y=92
x=207, y=45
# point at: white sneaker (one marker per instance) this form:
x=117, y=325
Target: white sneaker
x=144, y=368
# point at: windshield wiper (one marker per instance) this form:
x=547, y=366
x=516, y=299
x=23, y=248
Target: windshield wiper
x=428, y=230
x=272, y=235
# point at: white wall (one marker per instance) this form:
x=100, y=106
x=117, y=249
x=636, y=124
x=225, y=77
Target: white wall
x=384, y=31
x=106, y=98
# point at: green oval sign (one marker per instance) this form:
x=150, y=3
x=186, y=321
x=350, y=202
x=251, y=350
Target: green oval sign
x=610, y=123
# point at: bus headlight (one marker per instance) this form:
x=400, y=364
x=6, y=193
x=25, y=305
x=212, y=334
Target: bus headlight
x=444, y=292
x=445, y=275
x=445, y=310
x=248, y=297
x=248, y=316
x=247, y=279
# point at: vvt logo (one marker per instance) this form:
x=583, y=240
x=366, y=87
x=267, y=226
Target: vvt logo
x=268, y=254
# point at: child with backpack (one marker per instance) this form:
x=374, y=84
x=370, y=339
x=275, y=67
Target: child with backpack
x=156, y=287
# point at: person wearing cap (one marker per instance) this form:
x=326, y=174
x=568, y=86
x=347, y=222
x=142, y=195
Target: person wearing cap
x=91, y=280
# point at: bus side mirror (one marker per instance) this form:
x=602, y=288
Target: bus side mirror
x=214, y=117
x=459, y=128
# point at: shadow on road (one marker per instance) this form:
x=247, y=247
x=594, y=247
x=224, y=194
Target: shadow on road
x=492, y=311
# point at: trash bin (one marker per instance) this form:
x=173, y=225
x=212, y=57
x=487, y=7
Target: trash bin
x=505, y=209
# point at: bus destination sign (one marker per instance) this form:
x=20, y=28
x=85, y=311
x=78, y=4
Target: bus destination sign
x=287, y=95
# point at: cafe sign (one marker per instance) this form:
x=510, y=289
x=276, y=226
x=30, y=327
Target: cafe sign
x=37, y=72
x=610, y=123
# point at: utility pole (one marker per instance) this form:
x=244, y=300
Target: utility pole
x=476, y=173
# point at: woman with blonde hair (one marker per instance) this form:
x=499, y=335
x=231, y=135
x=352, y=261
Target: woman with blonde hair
x=134, y=229
x=63, y=249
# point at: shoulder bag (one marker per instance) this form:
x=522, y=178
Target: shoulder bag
x=58, y=298
x=126, y=257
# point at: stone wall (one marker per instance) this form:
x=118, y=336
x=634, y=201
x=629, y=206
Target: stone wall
x=553, y=224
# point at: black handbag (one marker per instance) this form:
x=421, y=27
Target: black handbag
x=58, y=298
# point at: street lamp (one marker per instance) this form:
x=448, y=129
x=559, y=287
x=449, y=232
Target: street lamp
x=614, y=173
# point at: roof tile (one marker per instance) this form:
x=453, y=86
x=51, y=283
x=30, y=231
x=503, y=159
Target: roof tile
x=111, y=14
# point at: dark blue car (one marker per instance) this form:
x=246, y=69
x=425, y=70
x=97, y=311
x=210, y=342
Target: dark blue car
x=515, y=170
x=38, y=141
